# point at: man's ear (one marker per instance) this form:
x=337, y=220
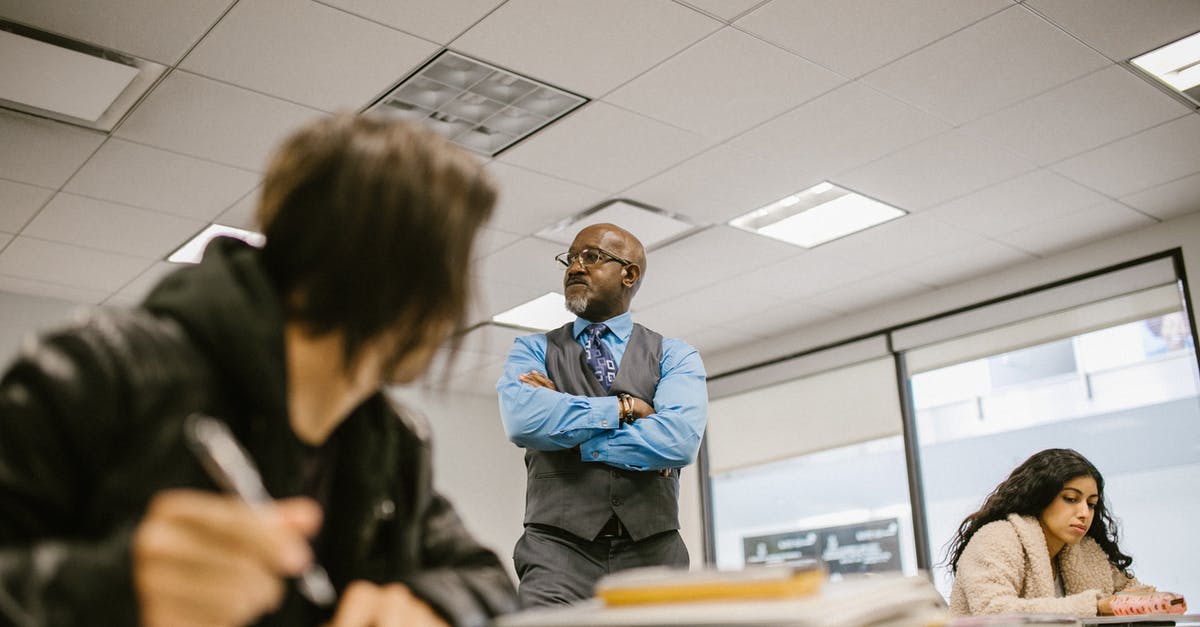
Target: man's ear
x=631, y=272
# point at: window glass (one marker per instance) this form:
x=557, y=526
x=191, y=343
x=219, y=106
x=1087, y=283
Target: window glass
x=846, y=508
x=1125, y=396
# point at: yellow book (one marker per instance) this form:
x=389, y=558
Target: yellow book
x=665, y=585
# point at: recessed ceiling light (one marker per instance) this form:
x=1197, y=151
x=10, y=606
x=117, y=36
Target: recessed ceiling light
x=1176, y=64
x=194, y=248
x=476, y=105
x=69, y=81
x=819, y=214
x=651, y=225
x=543, y=313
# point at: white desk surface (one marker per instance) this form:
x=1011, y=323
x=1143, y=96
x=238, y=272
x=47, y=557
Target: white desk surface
x=1178, y=619
x=896, y=600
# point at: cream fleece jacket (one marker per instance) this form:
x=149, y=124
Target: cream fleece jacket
x=1006, y=568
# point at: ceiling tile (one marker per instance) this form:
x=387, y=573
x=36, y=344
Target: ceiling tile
x=724, y=302
x=934, y=171
x=845, y=128
x=718, y=185
x=716, y=339
x=669, y=274
x=1015, y=203
x=723, y=9
x=1150, y=158
x=42, y=152
x=490, y=240
x=528, y=262
x=981, y=257
x=1078, y=116
x=530, y=201
x=707, y=257
x=306, y=53
x=69, y=266
x=725, y=84
x=813, y=272
x=493, y=296
x=855, y=36
x=51, y=290
x=437, y=20
x=671, y=320
x=137, y=289
x=18, y=203
x=903, y=241
x=492, y=339
x=1122, y=29
x=151, y=29
x=622, y=39
x=733, y=250
x=111, y=227
x=1010, y=48
x=243, y=213
x=1065, y=232
x=783, y=318
x=604, y=147
x=141, y=176
x=203, y=118
x=867, y=293
x=1168, y=200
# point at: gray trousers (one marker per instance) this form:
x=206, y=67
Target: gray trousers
x=558, y=568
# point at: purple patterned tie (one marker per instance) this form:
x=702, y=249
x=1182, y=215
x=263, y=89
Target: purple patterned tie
x=599, y=358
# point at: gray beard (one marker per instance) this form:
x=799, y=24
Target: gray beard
x=577, y=305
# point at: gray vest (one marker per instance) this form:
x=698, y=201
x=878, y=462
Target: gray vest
x=563, y=491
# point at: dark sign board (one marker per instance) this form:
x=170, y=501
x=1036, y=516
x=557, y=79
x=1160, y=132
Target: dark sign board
x=868, y=547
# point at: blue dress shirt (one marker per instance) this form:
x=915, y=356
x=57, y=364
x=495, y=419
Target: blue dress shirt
x=546, y=420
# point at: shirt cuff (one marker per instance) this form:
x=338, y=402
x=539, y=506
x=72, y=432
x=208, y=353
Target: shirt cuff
x=595, y=449
x=605, y=413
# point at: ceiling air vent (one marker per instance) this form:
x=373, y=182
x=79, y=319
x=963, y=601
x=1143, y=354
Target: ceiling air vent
x=476, y=105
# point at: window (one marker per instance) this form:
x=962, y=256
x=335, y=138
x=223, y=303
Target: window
x=1115, y=380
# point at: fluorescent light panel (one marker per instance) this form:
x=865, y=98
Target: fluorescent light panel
x=69, y=81
x=476, y=105
x=651, y=225
x=543, y=313
x=193, y=250
x=1177, y=64
x=819, y=214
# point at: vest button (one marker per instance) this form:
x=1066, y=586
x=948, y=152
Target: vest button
x=603, y=423
x=595, y=454
x=616, y=501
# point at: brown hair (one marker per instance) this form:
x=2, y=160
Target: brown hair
x=370, y=225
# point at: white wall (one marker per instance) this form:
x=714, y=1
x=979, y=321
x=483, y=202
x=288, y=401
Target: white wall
x=474, y=465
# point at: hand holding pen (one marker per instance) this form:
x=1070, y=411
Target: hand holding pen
x=206, y=559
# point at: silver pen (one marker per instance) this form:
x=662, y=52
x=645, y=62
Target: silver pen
x=233, y=470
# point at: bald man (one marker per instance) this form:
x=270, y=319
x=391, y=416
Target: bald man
x=607, y=411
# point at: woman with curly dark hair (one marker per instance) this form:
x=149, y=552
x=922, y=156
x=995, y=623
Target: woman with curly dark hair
x=1044, y=542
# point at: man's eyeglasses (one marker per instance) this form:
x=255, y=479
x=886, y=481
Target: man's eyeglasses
x=589, y=257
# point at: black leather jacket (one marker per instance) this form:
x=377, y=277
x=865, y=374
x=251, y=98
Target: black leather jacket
x=90, y=425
